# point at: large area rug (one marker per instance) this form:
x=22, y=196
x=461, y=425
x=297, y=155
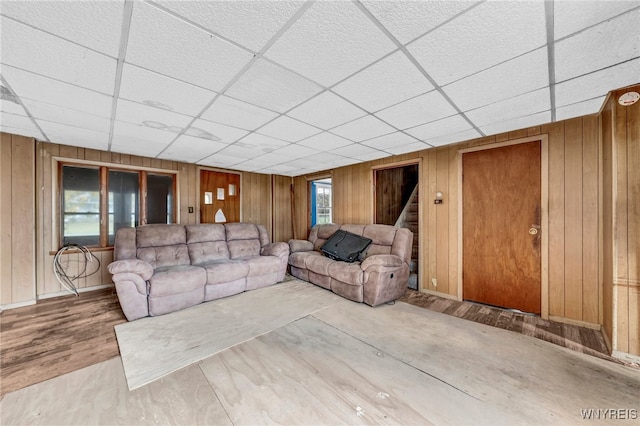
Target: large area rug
x=154, y=347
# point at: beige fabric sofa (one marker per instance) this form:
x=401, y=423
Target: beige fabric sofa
x=380, y=277
x=164, y=268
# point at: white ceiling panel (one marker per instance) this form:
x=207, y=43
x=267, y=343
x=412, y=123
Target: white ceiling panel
x=389, y=141
x=419, y=110
x=591, y=106
x=453, y=124
x=517, y=123
x=573, y=16
x=93, y=24
x=227, y=134
x=288, y=129
x=326, y=110
x=363, y=128
x=249, y=23
x=165, y=44
x=270, y=86
x=292, y=152
x=598, y=83
x=19, y=121
x=412, y=147
x=260, y=162
x=331, y=41
x=450, y=138
x=221, y=160
x=527, y=104
x=35, y=87
x=486, y=35
x=327, y=160
x=260, y=144
x=144, y=86
x=325, y=141
x=191, y=149
x=392, y=80
x=74, y=136
x=132, y=112
x=614, y=41
x=241, y=152
x=360, y=152
x=31, y=133
x=139, y=140
x=410, y=19
x=80, y=66
x=11, y=107
x=520, y=75
x=236, y=113
x=69, y=117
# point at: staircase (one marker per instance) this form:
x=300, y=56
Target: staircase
x=409, y=219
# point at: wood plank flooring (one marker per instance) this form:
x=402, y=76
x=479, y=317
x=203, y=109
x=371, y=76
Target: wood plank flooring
x=60, y=335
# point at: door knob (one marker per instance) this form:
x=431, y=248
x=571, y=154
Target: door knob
x=534, y=229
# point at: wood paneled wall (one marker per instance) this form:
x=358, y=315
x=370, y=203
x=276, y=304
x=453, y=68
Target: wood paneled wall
x=17, y=219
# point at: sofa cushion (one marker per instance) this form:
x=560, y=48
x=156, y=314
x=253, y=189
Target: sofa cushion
x=223, y=271
x=205, y=232
x=299, y=259
x=350, y=273
x=160, y=235
x=319, y=264
x=239, y=249
x=262, y=265
x=177, y=280
x=209, y=251
x=242, y=231
x=164, y=256
x=380, y=234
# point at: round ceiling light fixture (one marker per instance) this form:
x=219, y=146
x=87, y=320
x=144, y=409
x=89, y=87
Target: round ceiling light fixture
x=628, y=98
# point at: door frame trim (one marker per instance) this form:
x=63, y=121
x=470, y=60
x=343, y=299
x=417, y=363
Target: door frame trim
x=544, y=217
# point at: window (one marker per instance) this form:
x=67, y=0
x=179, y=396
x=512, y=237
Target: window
x=89, y=220
x=321, y=201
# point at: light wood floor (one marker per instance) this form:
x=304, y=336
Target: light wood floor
x=63, y=334
x=349, y=363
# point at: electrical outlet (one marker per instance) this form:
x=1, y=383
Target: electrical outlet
x=434, y=282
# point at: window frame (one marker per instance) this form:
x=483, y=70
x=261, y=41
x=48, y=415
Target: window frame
x=103, y=171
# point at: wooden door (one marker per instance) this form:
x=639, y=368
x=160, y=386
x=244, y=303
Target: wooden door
x=219, y=192
x=501, y=226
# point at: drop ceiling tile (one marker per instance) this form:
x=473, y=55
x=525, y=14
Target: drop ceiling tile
x=453, y=124
x=227, y=134
x=573, y=16
x=598, y=83
x=392, y=80
x=306, y=163
x=326, y=110
x=407, y=20
x=360, y=152
x=270, y=86
x=288, y=129
x=293, y=151
x=19, y=121
x=67, y=135
x=331, y=41
x=260, y=20
x=30, y=133
x=517, y=123
x=191, y=149
x=55, y=57
x=523, y=105
x=325, y=141
x=95, y=24
x=148, y=87
x=363, y=128
x=450, y=138
x=389, y=141
x=69, y=117
x=221, y=160
x=520, y=75
x=236, y=113
x=259, y=143
x=419, y=110
x=10, y=106
x=279, y=169
x=31, y=86
x=165, y=44
x=327, y=160
x=591, y=106
x=614, y=41
x=412, y=147
x=241, y=152
x=486, y=35
x=139, y=140
x=135, y=113
x=258, y=163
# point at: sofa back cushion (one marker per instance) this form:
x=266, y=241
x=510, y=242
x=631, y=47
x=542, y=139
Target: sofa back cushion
x=206, y=243
x=243, y=239
x=320, y=234
x=162, y=245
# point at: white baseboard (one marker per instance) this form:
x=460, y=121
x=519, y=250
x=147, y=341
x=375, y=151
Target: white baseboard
x=17, y=305
x=626, y=357
x=80, y=290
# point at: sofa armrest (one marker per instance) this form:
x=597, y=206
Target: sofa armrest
x=388, y=260
x=300, y=245
x=275, y=249
x=133, y=266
